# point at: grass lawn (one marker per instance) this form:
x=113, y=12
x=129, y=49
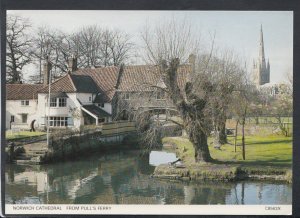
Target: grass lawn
x=22, y=134
x=266, y=157
x=266, y=151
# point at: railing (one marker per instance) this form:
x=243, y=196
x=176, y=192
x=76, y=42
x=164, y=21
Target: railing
x=19, y=126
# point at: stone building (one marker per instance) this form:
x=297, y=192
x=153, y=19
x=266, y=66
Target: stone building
x=261, y=67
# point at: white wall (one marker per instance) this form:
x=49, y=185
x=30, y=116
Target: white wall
x=107, y=107
x=59, y=111
x=39, y=109
x=78, y=120
x=14, y=108
x=84, y=98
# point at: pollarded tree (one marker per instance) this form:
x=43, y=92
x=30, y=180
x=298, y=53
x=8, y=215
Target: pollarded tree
x=225, y=73
x=168, y=46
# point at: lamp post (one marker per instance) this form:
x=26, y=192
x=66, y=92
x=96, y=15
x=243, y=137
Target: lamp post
x=48, y=120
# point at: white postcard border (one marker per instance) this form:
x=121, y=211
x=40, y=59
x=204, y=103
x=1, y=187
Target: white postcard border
x=81, y=209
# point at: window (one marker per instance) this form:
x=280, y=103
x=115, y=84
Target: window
x=24, y=118
x=160, y=95
x=53, y=102
x=12, y=118
x=126, y=96
x=58, y=121
x=90, y=98
x=25, y=102
x=101, y=105
x=62, y=102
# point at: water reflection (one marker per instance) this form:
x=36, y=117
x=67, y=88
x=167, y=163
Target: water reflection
x=161, y=157
x=123, y=178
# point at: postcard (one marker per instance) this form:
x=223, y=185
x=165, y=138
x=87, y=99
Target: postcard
x=148, y=112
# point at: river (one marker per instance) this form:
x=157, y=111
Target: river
x=124, y=178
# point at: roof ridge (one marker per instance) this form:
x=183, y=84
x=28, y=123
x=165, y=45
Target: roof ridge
x=22, y=84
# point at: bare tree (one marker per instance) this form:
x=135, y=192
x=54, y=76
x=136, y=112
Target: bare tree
x=87, y=42
x=18, y=43
x=42, y=49
x=55, y=45
x=225, y=73
x=282, y=107
x=195, y=96
x=120, y=47
x=246, y=97
x=96, y=46
x=167, y=41
x=168, y=45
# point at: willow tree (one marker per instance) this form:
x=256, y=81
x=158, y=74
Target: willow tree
x=168, y=46
x=196, y=95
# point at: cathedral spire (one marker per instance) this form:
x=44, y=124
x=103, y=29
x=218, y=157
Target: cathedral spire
x=261, y=46
x=261, y=68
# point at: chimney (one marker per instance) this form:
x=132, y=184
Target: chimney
x=72, y=64
x=47, y=68
x=120, y=74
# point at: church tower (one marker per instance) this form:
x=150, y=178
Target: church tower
x=261, y=68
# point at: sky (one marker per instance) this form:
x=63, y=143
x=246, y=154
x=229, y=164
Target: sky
x=235, y=30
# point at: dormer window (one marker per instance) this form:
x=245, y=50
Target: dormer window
x=25, y=102
x=53, y=102
x=58, y=102
x=62, y=102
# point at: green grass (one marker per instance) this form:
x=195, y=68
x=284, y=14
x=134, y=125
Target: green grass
x=270, y=150
x=265, y=156
x=22, y=134
x=266, y=151
x=263, y=120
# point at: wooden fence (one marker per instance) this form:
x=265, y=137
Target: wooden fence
x=118, y=128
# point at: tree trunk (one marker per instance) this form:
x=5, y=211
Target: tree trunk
x=243, y=139
x=222, y=133
x=199, y=140
x=235, y=136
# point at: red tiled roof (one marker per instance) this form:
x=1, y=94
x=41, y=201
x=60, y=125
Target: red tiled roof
x=63, y=84
x=104, y=77
x=104, y=80
x=22, y=91
x=141, y=78
x=133, y=78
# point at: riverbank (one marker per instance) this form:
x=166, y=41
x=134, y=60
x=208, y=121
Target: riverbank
x=67, y=149
x=71, y=143
x=267, y=158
